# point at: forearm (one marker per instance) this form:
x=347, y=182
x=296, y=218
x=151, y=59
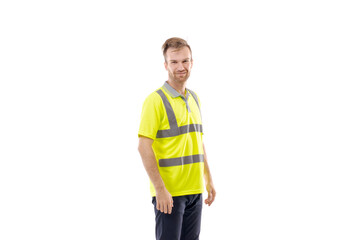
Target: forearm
x=208, y=181
x=150, y=165
x=207, y=173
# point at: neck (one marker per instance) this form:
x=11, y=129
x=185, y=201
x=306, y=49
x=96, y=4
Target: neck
x=179, y=87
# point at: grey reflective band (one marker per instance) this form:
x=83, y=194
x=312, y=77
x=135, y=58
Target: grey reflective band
x=195, y=97
x=180, y=130
x=169, y=111
x=196, y=100
x=170, y=162
x=174, y=129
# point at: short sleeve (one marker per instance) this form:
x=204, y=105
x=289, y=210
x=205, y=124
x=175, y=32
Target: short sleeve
x=150, y=116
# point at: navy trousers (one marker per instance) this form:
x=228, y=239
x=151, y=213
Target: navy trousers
x=184, y=221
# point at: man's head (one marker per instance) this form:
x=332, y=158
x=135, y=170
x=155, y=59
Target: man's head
x=178, y=59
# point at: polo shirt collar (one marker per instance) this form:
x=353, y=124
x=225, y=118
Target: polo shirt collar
x=173, y=93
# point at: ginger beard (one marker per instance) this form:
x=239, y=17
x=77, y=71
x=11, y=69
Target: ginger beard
x=179, y=76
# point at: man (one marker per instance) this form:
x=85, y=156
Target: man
x=172, y=151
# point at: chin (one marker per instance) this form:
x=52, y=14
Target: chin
x=184, y=79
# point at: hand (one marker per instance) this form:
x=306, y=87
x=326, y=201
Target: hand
x=211, y=193
x=164, y=201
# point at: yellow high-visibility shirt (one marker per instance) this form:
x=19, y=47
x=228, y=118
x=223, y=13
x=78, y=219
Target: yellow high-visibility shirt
x=173, y=121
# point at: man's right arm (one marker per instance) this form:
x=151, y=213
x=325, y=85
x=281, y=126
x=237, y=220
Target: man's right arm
x=164, y=201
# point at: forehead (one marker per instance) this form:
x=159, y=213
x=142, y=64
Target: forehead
x=178, y=53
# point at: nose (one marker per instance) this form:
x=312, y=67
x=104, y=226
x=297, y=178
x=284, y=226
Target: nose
x=180, y=67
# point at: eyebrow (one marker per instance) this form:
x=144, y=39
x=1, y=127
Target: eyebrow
x=181, y=60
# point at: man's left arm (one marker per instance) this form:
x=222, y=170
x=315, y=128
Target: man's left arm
x=208, y=181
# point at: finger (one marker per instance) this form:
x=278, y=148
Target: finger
x=161, y=207
x=166, y=210
x=169, y=209
x=209, y=200
x=157, y=205
x=170, y=206
x=212, y=197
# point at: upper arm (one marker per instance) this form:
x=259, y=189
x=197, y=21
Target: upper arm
x=145, y=141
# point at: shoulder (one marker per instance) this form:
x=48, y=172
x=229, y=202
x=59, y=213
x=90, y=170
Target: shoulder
x=153, y=98
x=195, y=97
x=194, y=94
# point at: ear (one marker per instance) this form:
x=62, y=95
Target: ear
x=165, y=65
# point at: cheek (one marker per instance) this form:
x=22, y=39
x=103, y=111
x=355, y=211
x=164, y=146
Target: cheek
x=172, y=69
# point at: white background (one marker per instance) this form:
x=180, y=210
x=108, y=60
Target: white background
x=279, y=86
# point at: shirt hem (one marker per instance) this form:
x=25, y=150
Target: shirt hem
x=198, y=191
x=146, y=135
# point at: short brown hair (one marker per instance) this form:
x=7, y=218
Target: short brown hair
x=174, y=43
